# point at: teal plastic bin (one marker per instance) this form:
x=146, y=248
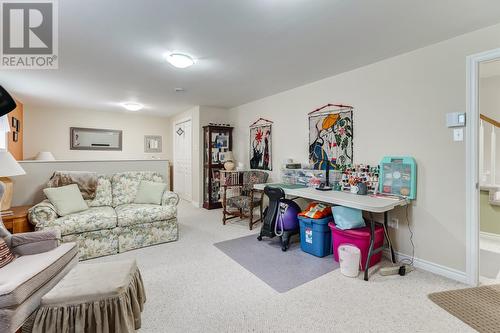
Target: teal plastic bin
x=316, y=236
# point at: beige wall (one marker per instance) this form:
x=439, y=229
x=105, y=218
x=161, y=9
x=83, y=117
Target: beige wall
x=490, y=214
x=48, y=130
x=489, y=105
x=400, y=107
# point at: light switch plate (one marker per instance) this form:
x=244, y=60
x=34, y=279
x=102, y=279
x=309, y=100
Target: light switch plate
x=458, y=134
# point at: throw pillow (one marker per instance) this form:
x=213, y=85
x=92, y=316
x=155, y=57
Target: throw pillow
x=150, y=193
x=103, y=193
x=4, y=233
x=348, y=218
x=66, y=199
x=6, y=255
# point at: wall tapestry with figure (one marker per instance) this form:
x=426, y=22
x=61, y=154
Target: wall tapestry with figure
x=260, y=145
x=330, y=136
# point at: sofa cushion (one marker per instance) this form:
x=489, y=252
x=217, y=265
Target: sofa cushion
x=124, y=185
x=94, y=218
x=66, y=199
x=131, y=214
x=25, y=275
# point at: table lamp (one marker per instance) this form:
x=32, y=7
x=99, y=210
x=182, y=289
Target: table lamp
x=45, y=156
x=229, y=161
x=8, y=168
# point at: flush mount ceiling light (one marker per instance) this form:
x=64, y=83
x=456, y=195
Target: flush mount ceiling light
x=132, y=106
x=180, y=59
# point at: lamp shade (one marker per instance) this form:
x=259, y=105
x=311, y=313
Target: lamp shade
x=229, y=156
x=45, y=156
x=9, y=166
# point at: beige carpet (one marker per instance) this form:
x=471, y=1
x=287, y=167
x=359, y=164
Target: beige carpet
x=192, y=286
x=479, y=307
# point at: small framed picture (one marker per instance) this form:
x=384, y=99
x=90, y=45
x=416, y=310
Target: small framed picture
x=15, y=136
x=215, y=157
x=222, y=141
x=152, y=144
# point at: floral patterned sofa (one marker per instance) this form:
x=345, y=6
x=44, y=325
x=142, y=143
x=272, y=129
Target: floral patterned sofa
x=113, y=223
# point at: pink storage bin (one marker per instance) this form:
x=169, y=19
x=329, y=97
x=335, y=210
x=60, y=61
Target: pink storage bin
x=360, y=238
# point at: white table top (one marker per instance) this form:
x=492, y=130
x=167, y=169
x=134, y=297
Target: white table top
x=363, y=202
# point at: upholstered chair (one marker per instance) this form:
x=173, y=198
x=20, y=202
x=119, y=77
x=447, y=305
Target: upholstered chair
x=244, y=204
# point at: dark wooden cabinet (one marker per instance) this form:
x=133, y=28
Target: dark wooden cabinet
x=217, y=141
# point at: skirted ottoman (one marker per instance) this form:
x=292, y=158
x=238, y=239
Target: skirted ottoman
x=99, y=297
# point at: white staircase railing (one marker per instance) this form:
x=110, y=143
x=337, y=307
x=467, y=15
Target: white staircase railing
x=487, y=178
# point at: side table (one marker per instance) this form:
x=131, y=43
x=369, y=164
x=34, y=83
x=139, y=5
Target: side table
x=18, y=222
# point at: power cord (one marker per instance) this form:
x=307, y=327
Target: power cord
x=409, y=261
x=405, y=265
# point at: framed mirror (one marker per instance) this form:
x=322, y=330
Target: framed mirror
x=152, y=143
x=95, y=139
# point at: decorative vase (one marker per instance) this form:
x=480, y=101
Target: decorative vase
x=229, y=165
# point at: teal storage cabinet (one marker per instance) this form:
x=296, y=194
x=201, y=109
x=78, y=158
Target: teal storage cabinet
x=398, y=176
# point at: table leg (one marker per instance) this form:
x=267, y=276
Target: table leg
x=386, y=222
x=372, y=243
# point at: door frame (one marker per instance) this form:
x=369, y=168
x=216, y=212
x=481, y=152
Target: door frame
x=472, y=163
x=174, y=124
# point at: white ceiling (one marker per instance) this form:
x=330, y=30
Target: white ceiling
x=111, y=51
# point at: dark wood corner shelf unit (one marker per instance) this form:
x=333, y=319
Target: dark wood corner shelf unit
x=217, y=140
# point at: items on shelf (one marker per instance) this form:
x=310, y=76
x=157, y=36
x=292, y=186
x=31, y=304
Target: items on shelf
x=219, y=125
x=217, y=145
x=360, y=179
x=308, y=177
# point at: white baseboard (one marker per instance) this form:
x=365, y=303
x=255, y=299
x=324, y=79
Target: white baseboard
x=196, y=204
x=428, y=266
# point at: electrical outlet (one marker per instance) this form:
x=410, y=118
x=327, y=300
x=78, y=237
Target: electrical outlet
x=393, y=223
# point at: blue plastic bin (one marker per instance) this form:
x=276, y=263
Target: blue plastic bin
x=316, y=236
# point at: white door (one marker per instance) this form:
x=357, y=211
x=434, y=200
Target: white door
x=183, y=159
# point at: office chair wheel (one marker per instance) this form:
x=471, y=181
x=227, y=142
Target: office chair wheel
x=284, y=248
x=259, y=238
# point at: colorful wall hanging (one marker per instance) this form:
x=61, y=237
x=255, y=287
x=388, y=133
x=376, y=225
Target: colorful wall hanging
x=331, y=136
x=261, y=145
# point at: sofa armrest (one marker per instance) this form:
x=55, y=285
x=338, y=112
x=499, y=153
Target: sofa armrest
x=34, y=242
x=41, y=214
x=169, y=199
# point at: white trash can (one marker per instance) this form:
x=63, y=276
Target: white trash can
x=350, y=259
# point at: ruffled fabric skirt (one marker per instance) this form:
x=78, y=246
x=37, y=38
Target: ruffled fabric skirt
x=120, y=313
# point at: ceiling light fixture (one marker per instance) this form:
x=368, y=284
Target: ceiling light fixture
x=132, y=106
x=180, y=59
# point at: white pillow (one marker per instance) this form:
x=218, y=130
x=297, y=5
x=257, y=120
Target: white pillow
x=66, y=199
x=150, y=193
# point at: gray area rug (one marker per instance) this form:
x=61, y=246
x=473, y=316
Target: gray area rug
x=282, y=271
